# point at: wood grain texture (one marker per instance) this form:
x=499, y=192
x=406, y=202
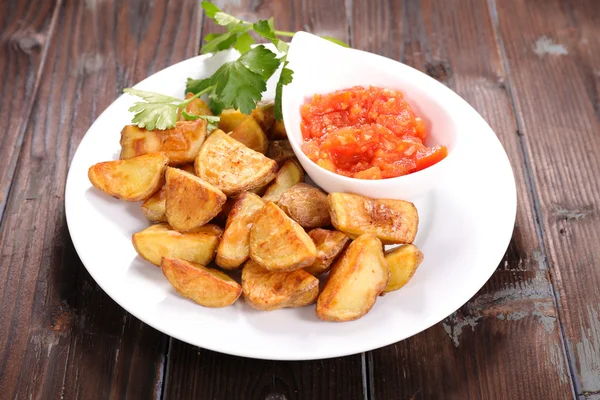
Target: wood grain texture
x=554, y=68
x=25, y=29
x=201, y=374
x=61, y=336
x=504, y=343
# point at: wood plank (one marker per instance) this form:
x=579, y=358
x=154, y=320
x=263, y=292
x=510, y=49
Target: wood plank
x=554, y=66
x=504, y=343
x=202, y=374
x=61, y=336
x=25, y=27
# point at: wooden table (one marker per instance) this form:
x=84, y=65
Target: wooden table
x=531, y=68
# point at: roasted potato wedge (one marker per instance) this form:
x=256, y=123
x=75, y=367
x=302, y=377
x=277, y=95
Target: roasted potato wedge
x=330, y=244
x=403, y=262
x=251, y=134
x=392, y=221
x=280, y=151
x=277, y=131
x=206, y=286
x=154, y=207
x=221, y=218
x=270, y=290
x=232, y=167
x=189, y=167
x=190, y=202
x=306, y=205
x=181, y=143
x=160, y=240
x=132, y=180
x=278, y=243
x=355, y=281
x=264, y=114
x=195, y=107
x=234, y=247
x=230, y=119
x=290, y=174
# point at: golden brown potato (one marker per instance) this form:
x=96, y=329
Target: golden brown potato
x=278, y=243
x=290, y=174
x=221, y=218
x=230, y=119
x=306, y=205
x=181, y=143
x=330, y=244
x=232, y=167
x=355, y=281
x=190, y=202
x=132, y=180
x=392, y=221
x=154, y=207
x=234, y=247
x=270, y=290
x=158, y=241
x=264, y=114
x=280, y=151
x=277, y=131
x=403, y=262
x=260, y=191
x=251, y=134
x=206, y=286
x=195, y=107
x=189, y=167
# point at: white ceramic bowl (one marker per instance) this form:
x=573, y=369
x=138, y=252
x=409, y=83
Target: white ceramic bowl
x=321, y=67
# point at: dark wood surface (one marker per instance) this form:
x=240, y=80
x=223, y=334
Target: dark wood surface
x=531, y=68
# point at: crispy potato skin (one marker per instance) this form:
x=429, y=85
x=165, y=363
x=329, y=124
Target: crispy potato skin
x=330, y=245
x=278, y=243
x=355, y=281
x=403, y=262
x=232, y=167
x=154, y=207
x=264, y=114
x=181, y=143
x=234, y=247
x=280, y=151
x=290, y=174
x=392, y=221
x=130, y=180
x=230, y=119
x=206, y=286
x=306, y=205
x=277, y=131
x=270, y=290
x=251, y=135
x=190, y=202
x=160, y=240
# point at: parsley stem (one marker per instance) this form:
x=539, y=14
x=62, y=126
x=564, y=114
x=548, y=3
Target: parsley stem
x=284, y=33
x=200, y=93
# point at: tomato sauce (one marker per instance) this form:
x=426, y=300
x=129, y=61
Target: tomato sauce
x=366, y=133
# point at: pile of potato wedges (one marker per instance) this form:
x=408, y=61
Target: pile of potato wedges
x=236, y=199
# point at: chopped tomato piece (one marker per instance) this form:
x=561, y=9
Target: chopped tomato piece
x=428, y=156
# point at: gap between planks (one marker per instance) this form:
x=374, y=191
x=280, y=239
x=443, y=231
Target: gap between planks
x=530, y=181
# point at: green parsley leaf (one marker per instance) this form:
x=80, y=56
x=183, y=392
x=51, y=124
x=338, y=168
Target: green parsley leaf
x=219, y=42
x=265, y=28
x=152, y=97
x=212, y=120
x=285, y=78
x=225, y=19
x=260, y=60
x=210, y=9
x=244, y=43
x=196, y=85
x=154, y=115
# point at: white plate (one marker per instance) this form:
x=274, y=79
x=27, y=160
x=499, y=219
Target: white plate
x=465, y=227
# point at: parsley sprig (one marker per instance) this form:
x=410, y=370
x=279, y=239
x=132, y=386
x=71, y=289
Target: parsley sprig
x=237, y=84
